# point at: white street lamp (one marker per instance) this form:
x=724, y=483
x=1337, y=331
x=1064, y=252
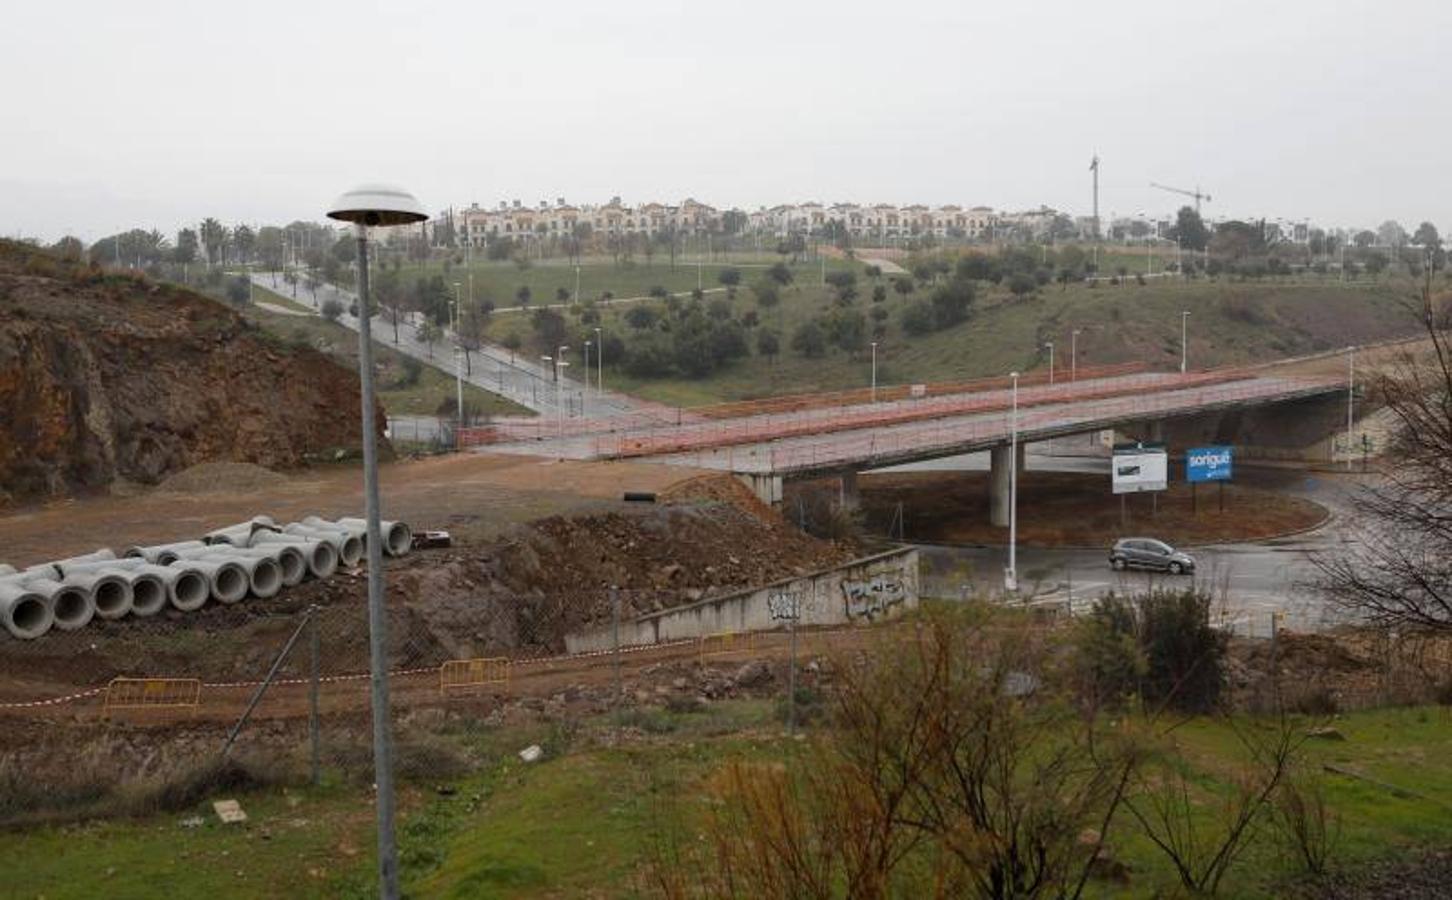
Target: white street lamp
x=370, y=206
x=599, y=364
x=1010, y=575
x=1184, y=342
x=1350, y=399
x=585, y=396
x=1074, y=355
x=458, y=366
x=1050, y=345
x=874, y=371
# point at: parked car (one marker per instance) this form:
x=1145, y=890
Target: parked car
x=1148, y=553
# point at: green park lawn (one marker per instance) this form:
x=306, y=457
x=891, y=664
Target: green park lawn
x=590, y=818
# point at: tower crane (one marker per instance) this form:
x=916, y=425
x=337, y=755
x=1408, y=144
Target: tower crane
x=1195, y=193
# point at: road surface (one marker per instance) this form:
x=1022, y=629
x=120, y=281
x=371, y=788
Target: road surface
x=1249, y=581
x=525, y=381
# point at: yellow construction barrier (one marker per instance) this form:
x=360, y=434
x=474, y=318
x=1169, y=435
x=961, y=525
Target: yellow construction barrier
x=726, y=642
x=152, y=694
x=473, y=674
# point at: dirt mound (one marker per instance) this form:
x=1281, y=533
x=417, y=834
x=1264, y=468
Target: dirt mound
x=105, y=376
x=221, y=477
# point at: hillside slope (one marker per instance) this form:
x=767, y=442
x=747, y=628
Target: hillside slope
x=106, y=377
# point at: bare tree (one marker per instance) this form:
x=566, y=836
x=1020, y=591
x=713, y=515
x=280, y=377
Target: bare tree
x=1397, y=570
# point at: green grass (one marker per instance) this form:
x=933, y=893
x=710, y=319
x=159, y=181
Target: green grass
x=1230, y=323
x=588, y=817
x=499, y=282
x=422, y=397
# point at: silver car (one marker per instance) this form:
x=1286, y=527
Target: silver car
x=1148, y=553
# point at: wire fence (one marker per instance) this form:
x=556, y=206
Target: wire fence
x=137, y=706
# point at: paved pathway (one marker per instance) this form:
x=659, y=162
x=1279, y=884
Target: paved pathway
x=496, y=369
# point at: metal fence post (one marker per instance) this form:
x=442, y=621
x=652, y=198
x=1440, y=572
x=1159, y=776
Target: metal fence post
x=792, y=671
x=615, y=650
x=314, y=727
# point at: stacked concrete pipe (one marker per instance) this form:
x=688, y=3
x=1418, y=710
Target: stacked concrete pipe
x=25, y=613
x=71, y=606
x=164, y=554
x=151, y=586
x=348, y=546
x=226, y=579
x=320, y=556
x=397, y=536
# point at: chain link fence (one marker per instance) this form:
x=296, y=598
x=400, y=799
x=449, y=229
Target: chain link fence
x=124, y=715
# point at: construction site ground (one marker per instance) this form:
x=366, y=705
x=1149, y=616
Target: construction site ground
x=472, y=496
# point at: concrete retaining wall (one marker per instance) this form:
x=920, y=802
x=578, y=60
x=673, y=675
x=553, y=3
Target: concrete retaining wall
x=864, y=590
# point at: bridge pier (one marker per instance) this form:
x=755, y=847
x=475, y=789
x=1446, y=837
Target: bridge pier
x=766, y=486
x=998, y=482
x=848, y=495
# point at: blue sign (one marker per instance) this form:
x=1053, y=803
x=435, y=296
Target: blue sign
x=1208, y=464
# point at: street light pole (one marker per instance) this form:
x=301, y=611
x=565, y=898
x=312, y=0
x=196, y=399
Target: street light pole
x=1184, y=342
x=1074, y=355
x=1050, y=345
x=458, y=369
x=599, y=364
x=874, y=371
x=586, y=395
x=368, y=206
x=1350, y=399
x=1010, y=575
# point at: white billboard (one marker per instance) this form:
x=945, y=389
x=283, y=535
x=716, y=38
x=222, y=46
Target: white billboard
x=1140, y=467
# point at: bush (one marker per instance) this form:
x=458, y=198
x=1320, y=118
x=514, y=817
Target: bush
x=1184, y=655
x=332, y=309
x=810, y=340
x=917, y=319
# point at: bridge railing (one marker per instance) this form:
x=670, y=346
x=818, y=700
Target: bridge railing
x=758, y=429
x=929, y=435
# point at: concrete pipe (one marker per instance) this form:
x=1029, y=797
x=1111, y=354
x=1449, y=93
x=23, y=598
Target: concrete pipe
x=101, y=555
x=320, y=556
x=289, y=558
x=264, y=575
x=348, y=547
x=150, y=588
x=240, y=535
x=163, y=554
x=187, y=587
x=71, y=606
x=227, y=580
x=25, y=613
x=397, y=536
x=111, y=593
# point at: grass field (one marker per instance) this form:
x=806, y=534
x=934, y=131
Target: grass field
x=1230, y=323
x=588, y=818
x=399, y=392
x=499, y=282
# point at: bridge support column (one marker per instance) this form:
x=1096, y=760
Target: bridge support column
x=848, y=496
x=1155, y=431
x=764, y=485
x=998, y=483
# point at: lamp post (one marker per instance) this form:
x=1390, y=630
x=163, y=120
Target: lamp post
x=586, y=395
x=599, y=364
x=367, y=206
x=560, y=365
x=1350, y=399
x=1184, y=340
x=458, y=366
x=577, y=284
x=874, y=371
x=1010, y=575
x=1074, y=355
x=1050, y=345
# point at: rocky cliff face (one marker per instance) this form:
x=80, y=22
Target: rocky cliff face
x=106, y=376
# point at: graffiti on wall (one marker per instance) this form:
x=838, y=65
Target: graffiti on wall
x=873, y=597
x=784, y=604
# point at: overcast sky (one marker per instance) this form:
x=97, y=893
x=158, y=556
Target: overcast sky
x=161, y=113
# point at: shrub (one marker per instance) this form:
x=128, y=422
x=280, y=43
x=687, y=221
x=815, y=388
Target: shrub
x=332, y=309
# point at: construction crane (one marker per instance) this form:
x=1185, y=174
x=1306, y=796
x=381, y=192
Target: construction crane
x=1195, y=193
x=1094, y=167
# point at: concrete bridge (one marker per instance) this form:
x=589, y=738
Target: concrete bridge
x=1261, y=414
